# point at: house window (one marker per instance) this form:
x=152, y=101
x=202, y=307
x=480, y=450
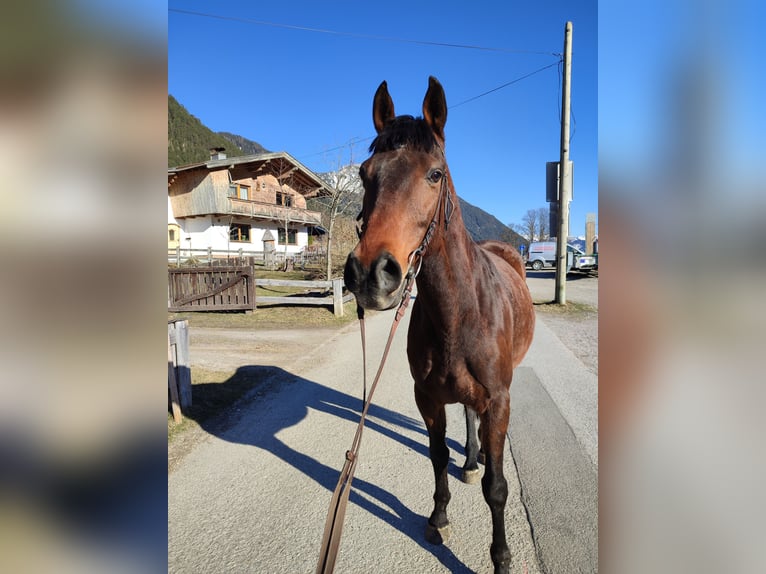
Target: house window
x=239, y=232
x=239, y=191
x=292, y=237
x=174, y=235
x=284, y=199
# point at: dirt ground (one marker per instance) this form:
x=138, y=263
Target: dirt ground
x=224, y=350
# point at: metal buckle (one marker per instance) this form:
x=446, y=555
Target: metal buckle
x=419, y=254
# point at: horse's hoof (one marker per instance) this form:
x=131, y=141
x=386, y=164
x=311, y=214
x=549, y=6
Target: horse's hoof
x=438, y=535
x=471, y=476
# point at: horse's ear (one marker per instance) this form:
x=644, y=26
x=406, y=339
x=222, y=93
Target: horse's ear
x=382, y=107
x=435, y=107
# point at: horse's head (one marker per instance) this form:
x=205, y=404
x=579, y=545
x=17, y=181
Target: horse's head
x=404, y=181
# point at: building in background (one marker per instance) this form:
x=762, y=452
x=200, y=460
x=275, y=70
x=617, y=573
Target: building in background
x=232, y=204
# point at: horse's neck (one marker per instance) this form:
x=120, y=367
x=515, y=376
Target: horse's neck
x=446, y=276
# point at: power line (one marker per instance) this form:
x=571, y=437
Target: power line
x=358, y=35
x=352, y=141
x=362, y=139
x=503, y=86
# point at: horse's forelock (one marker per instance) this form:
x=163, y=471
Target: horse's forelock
x=405, y=131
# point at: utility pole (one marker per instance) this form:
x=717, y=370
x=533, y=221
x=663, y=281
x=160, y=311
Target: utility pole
x=565, y=174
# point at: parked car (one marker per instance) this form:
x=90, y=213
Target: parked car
x=543, y=254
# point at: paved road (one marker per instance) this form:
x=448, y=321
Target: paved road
x=253, y=497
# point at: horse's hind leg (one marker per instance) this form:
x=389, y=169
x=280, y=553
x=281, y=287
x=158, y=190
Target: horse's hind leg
x=471, y=467
x=494, y=425
x=438, y=529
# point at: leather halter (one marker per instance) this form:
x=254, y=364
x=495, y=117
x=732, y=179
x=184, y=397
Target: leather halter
x=337, y=511
x=444, y=197
x=415, y=258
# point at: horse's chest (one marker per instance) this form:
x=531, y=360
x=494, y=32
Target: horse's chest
x=450, y=356
x=443, y=365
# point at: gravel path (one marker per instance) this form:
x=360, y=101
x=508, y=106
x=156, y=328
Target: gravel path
x=207, y=523
x=252, y=497
x=225, y=350
x=577, y=328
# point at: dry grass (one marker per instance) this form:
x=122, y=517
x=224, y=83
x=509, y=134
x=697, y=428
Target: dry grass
x=570, y=309
x=214, y=392
x=274, y=316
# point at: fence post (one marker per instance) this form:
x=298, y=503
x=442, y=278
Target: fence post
x=251, y=290
x=337, y=297
x=210, y=256
x=178, y=255
x=175, y=403
x=183, y=368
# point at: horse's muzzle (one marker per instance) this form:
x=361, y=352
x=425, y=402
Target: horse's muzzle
x=378, y=287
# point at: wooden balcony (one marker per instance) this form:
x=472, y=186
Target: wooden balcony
x=273, y=212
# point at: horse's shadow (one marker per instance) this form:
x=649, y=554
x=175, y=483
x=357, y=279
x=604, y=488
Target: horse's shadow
x=301, y=395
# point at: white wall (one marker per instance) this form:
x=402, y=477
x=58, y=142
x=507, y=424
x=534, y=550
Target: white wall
x=210, y=231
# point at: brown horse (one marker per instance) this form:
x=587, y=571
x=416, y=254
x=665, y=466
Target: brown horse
x=472, y=320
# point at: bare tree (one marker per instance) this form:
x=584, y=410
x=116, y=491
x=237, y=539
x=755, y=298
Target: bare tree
x=345, y=185
x=519, y=229
x=543, y=226
x=285, y=199
x=529, y=225
x=534, y=225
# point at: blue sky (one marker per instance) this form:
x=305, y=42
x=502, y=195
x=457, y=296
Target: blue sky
x=310, y=93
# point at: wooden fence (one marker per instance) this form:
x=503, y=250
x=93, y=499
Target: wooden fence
x=211, y=289
x=179, y=374
x=233, y=289
x=225, y=257
x=336, y=298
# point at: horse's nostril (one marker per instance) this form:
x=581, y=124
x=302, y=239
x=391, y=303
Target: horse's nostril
x=352, y=273
x=387, y=273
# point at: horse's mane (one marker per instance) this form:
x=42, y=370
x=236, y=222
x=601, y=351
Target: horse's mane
x=405, y=131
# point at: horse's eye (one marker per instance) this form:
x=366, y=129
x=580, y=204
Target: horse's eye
x=435, y=176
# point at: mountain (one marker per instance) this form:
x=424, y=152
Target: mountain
x=482, y=225
x=578, y=242
x=248, y=146
x=189, y=140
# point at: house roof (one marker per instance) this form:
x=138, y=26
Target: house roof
x=278, y=164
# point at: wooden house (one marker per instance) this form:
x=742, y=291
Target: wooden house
x=232, y=203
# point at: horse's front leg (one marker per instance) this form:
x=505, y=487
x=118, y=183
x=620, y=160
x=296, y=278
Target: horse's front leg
x=471, y=467
x=438, y=529
x=494, y=425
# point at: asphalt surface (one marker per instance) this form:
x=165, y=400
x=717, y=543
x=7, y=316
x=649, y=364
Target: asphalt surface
x=253, y=497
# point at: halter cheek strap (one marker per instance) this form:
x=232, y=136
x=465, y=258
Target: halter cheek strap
x=415, y=259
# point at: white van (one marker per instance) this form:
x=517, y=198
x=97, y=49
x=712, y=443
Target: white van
x=543, y=254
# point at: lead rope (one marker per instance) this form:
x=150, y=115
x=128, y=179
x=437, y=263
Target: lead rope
x=360, y=316
x=334, y=522
x=337, y=511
